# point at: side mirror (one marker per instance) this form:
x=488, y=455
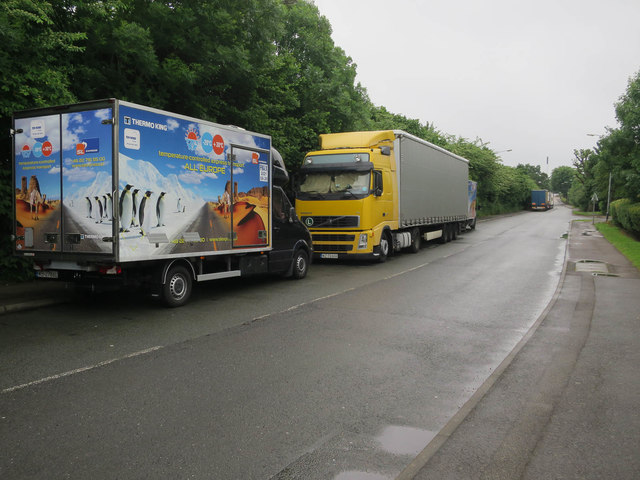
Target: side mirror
x=377, y=183
x=292, y=215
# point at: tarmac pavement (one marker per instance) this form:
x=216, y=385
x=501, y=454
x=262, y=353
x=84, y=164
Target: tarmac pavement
x=564, y=404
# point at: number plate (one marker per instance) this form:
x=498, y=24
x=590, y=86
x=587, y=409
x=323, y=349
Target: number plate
x=328, y=255
x=47, y=274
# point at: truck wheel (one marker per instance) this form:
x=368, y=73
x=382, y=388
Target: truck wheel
x=385, y=247
x=446, y=236
x=473, y=224
x=300, y=264
x=177, y=289
x=416, y=241
x=454, y=231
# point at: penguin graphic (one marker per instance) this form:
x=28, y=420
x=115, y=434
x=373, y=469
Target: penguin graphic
x=109, y=207
x=160, y=209
x=88, y=207
x=126, y=208
x=99, y=210
x=136, y=208
x=144, y=212
x=179, y=207
x=104, y=206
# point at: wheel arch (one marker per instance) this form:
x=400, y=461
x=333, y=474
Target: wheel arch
x=299, y=245
x=176, y=261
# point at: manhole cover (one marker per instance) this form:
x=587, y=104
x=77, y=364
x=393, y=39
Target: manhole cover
x=591, y=266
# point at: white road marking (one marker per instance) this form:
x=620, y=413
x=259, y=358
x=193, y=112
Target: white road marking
x=80, y=370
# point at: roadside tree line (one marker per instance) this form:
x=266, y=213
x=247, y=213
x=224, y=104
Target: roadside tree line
x=265, y=65
x=612, y=168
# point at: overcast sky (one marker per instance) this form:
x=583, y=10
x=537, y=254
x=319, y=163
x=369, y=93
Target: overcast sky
x=532, y=76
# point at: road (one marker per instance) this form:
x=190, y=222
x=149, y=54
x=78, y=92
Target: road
x=347, y=374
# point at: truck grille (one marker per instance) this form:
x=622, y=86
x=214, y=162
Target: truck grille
x=332, y=248
x=327, y=237
x=318, y=221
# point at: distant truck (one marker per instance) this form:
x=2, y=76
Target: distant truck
x=541, y=200
x=368, y=194
x=113, y=192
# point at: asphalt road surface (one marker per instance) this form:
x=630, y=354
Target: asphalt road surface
x=345, y=375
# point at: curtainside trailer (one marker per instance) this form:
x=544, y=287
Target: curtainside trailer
x=368, y=194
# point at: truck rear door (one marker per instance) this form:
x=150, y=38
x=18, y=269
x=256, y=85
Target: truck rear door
x=63, y=178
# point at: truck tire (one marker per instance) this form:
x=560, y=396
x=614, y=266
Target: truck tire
x=416, y=241
x=454, y=230
x=473, y=224
x=385, y=247
x=177, y=288
x=446, y=236
x=300, y=264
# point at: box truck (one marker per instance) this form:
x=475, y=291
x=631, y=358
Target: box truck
x=111, y=191
x=368, y=194
x=541, y=200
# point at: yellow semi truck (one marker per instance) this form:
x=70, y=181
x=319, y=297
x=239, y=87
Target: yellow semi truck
x=369, y=194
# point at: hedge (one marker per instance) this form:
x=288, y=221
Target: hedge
x=626, y=215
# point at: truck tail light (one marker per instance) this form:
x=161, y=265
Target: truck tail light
x=114, y=270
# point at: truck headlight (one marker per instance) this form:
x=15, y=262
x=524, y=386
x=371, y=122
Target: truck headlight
x=362, y=242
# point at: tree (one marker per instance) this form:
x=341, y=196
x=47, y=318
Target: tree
x=540, y=178
x=561, y=180
x=382, y=119
x=618, y=152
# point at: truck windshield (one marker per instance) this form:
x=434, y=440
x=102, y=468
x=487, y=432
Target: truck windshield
x=335, y=185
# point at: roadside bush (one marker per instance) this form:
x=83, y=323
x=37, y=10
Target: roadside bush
x=12, y=268
x=626, y=215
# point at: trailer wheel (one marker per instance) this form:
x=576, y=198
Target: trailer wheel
x=300, y=264
x=385, y=247
x=473, y=224
x=177, y=289
x=454, y=230
x=416, y=241
x=446, y=236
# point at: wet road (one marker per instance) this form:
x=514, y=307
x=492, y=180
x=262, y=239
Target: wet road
x=347, y=374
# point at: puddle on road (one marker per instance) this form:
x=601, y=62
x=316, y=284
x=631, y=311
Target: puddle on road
x=353, y=475
x=404, y=440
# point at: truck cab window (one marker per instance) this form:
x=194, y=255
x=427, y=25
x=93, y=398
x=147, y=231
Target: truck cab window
x=278, y=205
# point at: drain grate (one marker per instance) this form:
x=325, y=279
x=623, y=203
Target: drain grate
x=592, y=266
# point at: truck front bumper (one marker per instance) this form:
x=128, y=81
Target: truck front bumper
x=332, y=245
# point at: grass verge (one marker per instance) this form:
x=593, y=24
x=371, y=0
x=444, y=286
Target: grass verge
x=587, y=214
x=626, y=244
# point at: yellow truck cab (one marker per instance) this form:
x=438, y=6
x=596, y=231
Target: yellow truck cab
x=368, y=194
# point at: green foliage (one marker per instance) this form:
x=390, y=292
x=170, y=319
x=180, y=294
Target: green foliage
x=381, y=119
x=627, y=245
x=618, y=152
x=626, y=215
x=265, y=65
x=540, y=178
x=578, y=196
x=562, y=179
x=11, y=268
